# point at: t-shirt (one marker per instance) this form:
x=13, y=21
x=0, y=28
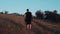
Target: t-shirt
x=28, y=15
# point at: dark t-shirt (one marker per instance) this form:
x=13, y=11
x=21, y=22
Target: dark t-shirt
x=28, y=15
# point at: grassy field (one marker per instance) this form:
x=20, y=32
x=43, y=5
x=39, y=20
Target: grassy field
x=13, y=24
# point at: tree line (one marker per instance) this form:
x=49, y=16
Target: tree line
x=52, y=16
x=47, y=15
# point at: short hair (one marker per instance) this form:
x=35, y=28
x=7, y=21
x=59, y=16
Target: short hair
x=27, y=9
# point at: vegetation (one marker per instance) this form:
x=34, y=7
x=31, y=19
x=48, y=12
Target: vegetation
x=52, y=16
x=39, y=14
x=39, y=26
x=6, y=12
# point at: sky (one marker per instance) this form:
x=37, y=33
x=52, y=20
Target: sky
x=20, y=6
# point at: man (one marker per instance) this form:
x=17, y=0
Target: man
x=28, y=18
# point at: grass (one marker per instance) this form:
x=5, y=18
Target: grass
x=11, y=21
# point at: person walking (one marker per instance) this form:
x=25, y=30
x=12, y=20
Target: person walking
x=28, y=19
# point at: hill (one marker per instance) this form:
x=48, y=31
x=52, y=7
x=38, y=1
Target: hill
x=13, y=24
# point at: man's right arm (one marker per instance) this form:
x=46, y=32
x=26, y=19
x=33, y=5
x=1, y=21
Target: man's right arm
x=24, y=15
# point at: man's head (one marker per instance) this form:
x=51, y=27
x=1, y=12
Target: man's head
x=27, y=10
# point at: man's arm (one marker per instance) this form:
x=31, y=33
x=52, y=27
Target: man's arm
x=24, y=15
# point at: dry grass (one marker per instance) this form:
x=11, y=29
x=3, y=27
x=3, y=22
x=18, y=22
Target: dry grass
x=13, y=24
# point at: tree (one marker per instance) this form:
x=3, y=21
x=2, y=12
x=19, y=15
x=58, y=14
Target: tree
x=48, y=15
x=39, y=14
x=55, y=11
x=6, y=12
x=16, y=14
x=1, y=12
x=47, y=11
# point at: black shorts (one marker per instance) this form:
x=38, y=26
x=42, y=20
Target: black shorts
x=28, y=21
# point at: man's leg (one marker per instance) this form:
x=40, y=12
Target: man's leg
x=27, y=26
x=30, y=26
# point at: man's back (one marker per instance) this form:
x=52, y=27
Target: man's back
x=28, y=19
x=28, y=15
